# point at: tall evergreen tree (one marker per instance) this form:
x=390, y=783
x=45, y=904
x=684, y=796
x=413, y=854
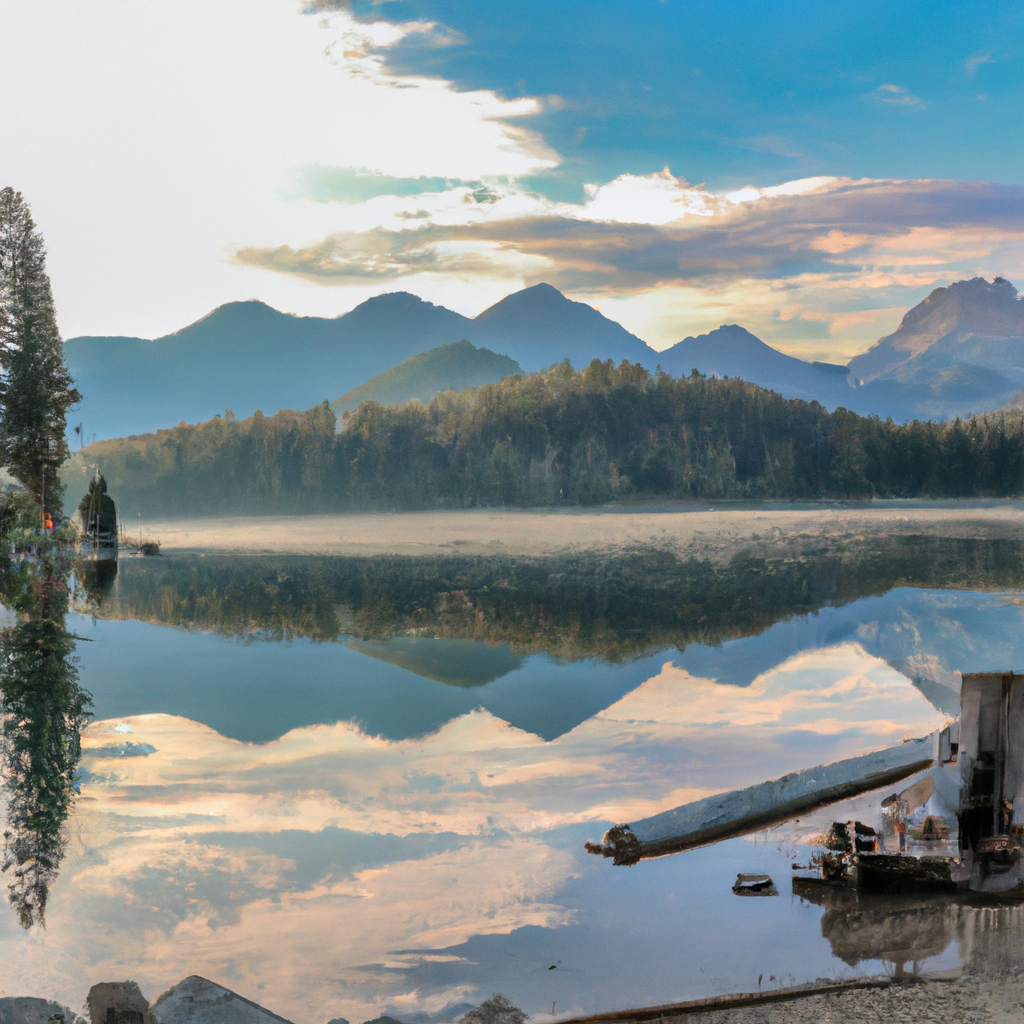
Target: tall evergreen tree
x=36, y=389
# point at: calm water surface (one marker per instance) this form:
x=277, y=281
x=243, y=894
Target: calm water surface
x=366, y=823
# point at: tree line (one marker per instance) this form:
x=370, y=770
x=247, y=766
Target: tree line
x=560, y=436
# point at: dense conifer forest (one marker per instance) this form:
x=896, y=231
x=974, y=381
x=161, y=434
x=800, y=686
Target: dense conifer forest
x=559, y=437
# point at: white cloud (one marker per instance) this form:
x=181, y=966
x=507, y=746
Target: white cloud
x=152, y=139
x=899, y=95
x=972, y=64
x=821, y=267
x=156, y=141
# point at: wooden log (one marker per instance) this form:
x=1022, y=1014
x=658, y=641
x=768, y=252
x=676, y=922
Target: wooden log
x=740, y=811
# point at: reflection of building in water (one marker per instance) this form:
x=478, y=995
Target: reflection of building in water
x=900, y=931
x=118, y=1002
x=98, y=577
x=903, y=931
x=992, y=938
x=99, y=522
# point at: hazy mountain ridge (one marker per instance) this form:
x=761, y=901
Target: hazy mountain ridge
x=960, y=351
x=245, y=356
x=732, y=351
x=451, y=367
x=539, y=326
x=970, y=323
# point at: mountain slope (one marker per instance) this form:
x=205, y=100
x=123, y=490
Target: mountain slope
x=539, y=326
x=452, y=367
x=960, y=351
x=245, y=356
x=971, y=323
x=732, y=351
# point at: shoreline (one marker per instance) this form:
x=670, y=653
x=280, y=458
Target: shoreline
x=705, y=529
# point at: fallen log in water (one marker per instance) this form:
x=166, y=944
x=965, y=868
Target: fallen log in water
x=769, y=803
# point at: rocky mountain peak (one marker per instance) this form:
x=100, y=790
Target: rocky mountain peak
x=961, y=312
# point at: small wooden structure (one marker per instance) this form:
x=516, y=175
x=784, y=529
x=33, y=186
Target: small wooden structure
x=99, y=523
x=976, y=767
x=991, y=760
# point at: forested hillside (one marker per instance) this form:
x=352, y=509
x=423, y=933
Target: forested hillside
x=451, y=367
x=554, y=437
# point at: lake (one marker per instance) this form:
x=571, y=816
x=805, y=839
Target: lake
x=352, y=786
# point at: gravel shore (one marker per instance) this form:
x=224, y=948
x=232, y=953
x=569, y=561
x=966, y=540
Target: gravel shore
x=703, y=530
x=967, y=999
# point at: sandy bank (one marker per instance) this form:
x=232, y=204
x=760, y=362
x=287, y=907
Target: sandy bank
x=704, y=530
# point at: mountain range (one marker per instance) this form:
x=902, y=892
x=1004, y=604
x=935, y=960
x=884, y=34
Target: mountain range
x=246, y=355
x=959, y=351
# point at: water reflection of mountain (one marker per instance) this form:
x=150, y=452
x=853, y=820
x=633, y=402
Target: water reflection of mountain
x=256, y=693
x=542, y=644
x=928, y=635
x=455, y=662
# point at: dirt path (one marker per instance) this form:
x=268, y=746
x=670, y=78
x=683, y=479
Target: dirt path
x=703, y=530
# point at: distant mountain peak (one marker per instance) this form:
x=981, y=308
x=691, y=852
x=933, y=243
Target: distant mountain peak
x=729, y=333
x=955, y=315
x=239, y=311
x=395, y=300
x=734, y=329
x=538, y=299
x=403, y=310
x=970, y=295
x=454, y=366
x=732, y=351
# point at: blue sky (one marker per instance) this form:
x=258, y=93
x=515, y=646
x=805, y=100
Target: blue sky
x=809, y=171
x=739, y=93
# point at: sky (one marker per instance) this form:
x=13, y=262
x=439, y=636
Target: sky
x=808, y=171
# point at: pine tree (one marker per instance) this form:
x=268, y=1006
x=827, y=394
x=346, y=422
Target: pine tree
x=36, y=389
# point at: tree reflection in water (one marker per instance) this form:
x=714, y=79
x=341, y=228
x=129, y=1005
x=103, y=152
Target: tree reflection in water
x=43, y=711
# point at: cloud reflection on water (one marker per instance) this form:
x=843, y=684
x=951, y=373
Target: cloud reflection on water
x=177, y=871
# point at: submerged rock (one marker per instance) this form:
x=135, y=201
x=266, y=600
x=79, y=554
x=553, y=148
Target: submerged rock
x=498, y=1009
x=29, y=1010
x=198, y=1001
